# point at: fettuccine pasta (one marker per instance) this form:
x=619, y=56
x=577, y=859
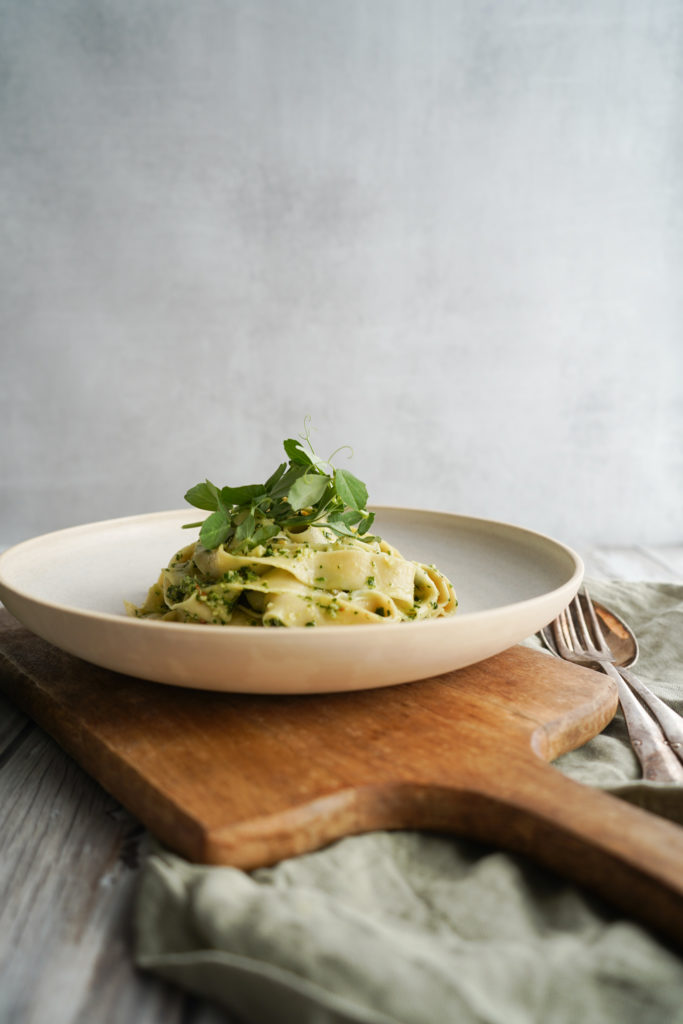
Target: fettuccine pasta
x=309, y=577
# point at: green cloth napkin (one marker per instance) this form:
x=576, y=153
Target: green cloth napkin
x=412, y=928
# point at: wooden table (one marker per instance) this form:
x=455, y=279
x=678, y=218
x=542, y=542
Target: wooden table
x=69, y=856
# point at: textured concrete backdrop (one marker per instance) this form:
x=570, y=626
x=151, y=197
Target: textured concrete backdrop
x=450, y=231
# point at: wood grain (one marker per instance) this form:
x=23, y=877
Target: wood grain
x=244, y=780
x=68, y=859
x=664, y=564
x=66, y=893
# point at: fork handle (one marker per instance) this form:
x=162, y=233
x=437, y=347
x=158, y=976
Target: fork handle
x=671, y=723
x=657, y=759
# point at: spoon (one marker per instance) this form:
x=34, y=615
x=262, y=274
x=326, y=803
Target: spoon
x=619, y=637
x=623, y=652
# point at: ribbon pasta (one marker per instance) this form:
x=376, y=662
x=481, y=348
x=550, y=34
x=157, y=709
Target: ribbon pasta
x=306, y=578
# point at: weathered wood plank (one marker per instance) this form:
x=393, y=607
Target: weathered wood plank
x=671, y=557
x=595, y=569
x=67, y=878
x=633, y=563
x=14, y=726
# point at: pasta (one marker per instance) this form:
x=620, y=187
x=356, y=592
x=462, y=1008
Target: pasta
x=294, y=551
x=300, y=577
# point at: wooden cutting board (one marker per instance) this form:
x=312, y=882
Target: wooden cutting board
x=249, y=780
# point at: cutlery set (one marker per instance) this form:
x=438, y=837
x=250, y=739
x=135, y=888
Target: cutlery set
x=578, y=635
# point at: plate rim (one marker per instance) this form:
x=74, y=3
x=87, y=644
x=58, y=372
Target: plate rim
x=16, y=549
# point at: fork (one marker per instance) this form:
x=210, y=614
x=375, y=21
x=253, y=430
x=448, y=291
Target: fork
x=570, y=637
x=669, y=721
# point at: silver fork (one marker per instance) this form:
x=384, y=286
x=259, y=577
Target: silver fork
x=669, y=721
x=570, y=637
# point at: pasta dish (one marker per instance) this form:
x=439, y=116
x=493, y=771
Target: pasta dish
x=295, y=551
x=310, y=578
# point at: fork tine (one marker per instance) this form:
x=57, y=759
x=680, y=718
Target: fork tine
x=597, y=633
x=547, y=635
x=587, y=634
x=576, y=615
x=562, y=639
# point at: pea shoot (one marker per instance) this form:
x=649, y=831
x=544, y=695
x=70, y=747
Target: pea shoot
x=303, y=491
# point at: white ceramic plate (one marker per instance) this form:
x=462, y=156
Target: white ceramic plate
x=69, y=588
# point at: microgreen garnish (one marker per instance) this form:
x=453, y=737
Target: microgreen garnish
x=304, y=491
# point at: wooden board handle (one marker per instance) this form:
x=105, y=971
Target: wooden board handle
x=624, y=855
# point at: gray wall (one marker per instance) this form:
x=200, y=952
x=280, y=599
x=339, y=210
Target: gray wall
x=449, y=231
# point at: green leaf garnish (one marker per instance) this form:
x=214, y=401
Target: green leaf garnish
x=229, y=496
x=203, y=496
x=284, y=484
x=307, y=491
x=245, y=530
x=215, y=530
x=264, y=533
x=304, y=491
x=275, y=477
x=350, y=489
x=296, y=453
x=366, y=524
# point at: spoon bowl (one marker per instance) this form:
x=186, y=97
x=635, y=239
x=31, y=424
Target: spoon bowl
x=619, y=638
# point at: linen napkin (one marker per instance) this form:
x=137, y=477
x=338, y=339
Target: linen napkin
x=412, y=928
